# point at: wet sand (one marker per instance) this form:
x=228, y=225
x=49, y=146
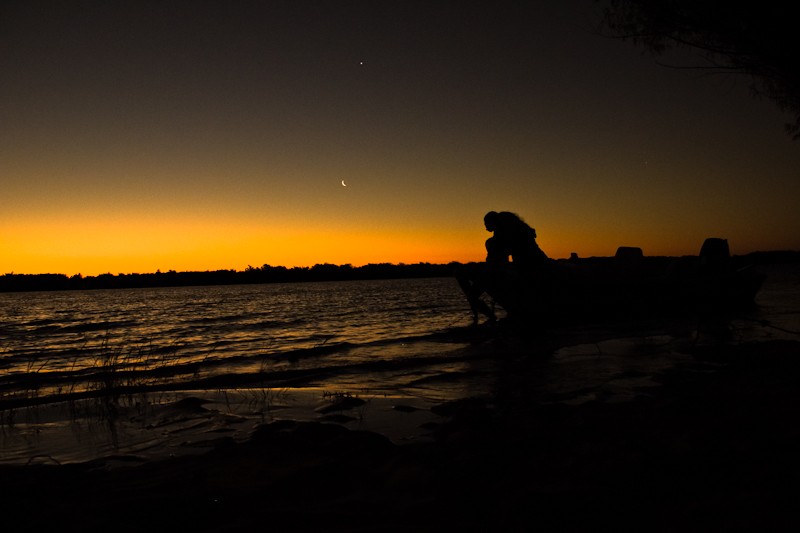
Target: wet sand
x=623, y=428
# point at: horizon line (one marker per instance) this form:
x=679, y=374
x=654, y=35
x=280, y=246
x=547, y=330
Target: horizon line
x=350, y=265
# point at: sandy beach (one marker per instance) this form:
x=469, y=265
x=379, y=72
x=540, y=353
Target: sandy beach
x=570, y=433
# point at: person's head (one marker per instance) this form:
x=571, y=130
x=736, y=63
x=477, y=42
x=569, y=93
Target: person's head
x=490, y=220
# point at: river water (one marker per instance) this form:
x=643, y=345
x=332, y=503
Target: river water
x=396, y=343
x=61, y=341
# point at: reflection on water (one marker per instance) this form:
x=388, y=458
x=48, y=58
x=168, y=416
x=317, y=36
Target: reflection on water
x=113, y=359
x=85, y=373
x=126, y=430
x=69, y=342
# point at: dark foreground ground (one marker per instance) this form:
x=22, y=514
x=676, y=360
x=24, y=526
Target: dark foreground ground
x=713, y=448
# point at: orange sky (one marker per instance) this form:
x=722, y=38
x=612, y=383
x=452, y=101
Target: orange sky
x=204, y=137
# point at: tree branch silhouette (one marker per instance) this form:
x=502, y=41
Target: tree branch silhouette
x=754, y=38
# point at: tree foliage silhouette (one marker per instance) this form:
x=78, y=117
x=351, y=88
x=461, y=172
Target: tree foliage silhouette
x=755, y=38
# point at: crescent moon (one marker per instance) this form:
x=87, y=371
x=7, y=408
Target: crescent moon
x=344, y=184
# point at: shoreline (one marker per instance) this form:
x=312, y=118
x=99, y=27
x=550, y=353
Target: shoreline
x=116, y=420
x=707, y=442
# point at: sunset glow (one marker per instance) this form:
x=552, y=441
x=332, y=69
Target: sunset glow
x=220, y=138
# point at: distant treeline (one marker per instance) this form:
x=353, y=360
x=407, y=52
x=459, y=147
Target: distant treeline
x=278, y=274
x=264, y=274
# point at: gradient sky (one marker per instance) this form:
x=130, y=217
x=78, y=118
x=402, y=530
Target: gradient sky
x=208, y=135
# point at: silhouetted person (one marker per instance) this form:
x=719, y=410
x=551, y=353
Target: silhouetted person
x=513, y=259
x=512, y=238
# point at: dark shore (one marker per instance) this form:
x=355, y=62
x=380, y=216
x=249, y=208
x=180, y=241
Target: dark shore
x=712, y=446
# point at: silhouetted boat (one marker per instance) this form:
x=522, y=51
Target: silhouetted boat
x=628, y=286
